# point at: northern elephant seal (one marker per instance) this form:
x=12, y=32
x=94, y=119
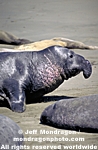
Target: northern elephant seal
x=37, y=73
x=8, y=131
x=79, y=114
x=10, y=39
x=64, y=42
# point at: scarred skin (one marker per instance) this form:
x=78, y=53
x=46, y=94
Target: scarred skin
x=25, y=75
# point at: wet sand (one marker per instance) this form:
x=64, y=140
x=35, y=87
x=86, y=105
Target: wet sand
x=43, y=19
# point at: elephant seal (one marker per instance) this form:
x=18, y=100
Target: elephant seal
x=8, y=38
x=64, y=42
x=37, y=73
x=24, y=44
x=80, y=114
x=8, y=131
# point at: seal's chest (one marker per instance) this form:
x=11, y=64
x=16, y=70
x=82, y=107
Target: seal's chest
x=47, y=78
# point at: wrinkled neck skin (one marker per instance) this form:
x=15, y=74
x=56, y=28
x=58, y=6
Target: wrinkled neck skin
x=50, y=67
x=47, y=74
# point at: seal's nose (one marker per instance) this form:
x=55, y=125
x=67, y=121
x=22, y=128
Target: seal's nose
x=87, y=69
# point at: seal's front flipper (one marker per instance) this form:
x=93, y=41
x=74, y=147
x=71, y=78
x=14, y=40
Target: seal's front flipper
x=17, y=101
x=14, y=94
x=15, y=104
x=18, y=106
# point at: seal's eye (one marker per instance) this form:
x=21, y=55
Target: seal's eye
x=71, y=56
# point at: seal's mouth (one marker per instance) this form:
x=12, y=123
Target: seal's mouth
x=72, y=72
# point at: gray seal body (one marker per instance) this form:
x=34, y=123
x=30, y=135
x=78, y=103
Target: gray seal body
x=25, y=75
x=80, y=114
x=8, y=131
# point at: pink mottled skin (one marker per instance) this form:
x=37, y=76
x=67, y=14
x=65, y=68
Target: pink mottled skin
x=30, y=75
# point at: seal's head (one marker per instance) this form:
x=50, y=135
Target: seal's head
x=73, y=63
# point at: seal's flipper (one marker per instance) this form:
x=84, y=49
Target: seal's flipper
x=14, y=104
x=18, y=106
x=17, y=102
x=14, y=95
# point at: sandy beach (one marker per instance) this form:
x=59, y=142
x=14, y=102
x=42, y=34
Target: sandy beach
x=43, y=19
